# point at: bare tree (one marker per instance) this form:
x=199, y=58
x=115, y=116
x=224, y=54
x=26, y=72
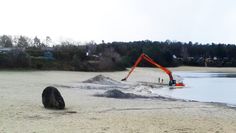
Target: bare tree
x=48, y=41
x=23, y=42
x=37, y=42
x=6, y=41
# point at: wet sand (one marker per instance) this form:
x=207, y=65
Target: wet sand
x=22, y=110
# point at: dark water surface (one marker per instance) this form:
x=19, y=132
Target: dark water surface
x=205, y=87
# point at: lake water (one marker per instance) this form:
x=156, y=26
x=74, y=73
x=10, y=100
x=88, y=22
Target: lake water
x=205, y=87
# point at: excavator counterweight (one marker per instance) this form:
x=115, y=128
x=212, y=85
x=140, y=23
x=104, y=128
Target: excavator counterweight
x=172, y=81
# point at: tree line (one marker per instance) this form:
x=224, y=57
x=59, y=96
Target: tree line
x=27, y=53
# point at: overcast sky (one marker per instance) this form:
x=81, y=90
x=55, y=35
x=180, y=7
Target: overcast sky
x=202, y=21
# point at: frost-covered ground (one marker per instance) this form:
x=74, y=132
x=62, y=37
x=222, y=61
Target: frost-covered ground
x=22, y=110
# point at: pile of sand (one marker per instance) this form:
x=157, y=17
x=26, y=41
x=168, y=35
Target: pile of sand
x=116, y=89
x=122, y=95
x=103, y=83
x=102, y=80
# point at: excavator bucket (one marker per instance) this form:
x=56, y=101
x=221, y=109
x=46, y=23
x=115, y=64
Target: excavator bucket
x=124, y=79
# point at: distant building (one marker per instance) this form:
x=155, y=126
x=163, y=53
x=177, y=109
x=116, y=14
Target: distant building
x=47, y=49
x=4, y=50
x=48, y=55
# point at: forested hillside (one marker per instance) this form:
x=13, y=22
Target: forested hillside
x=27, y=53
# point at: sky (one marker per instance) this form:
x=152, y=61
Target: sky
x=203, y=21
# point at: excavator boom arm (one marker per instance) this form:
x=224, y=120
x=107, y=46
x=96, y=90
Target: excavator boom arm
x=147, y=58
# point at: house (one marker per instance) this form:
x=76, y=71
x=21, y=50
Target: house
x=4, y=50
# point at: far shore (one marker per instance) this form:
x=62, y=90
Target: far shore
x=204, y=69
x=179, y=68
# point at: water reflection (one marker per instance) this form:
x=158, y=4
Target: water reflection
x=207, y=87
x=223, y=75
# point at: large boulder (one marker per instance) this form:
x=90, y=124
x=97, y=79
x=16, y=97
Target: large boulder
x=52, y=98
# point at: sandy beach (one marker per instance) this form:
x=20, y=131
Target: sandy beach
x=22, y=110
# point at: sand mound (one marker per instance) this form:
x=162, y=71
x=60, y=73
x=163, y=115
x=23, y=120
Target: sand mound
x=119, y=94
x=122, y=95
x=102, y=80
x=105, y=83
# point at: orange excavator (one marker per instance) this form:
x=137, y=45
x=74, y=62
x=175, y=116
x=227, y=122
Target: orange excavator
x=172, y=81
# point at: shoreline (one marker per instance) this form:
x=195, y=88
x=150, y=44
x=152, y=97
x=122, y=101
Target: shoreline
x=135, y=96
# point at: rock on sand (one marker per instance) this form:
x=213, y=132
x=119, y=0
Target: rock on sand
x=52, y=98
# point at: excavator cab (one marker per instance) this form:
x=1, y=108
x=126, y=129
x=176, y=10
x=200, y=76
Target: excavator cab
x=172, y=82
